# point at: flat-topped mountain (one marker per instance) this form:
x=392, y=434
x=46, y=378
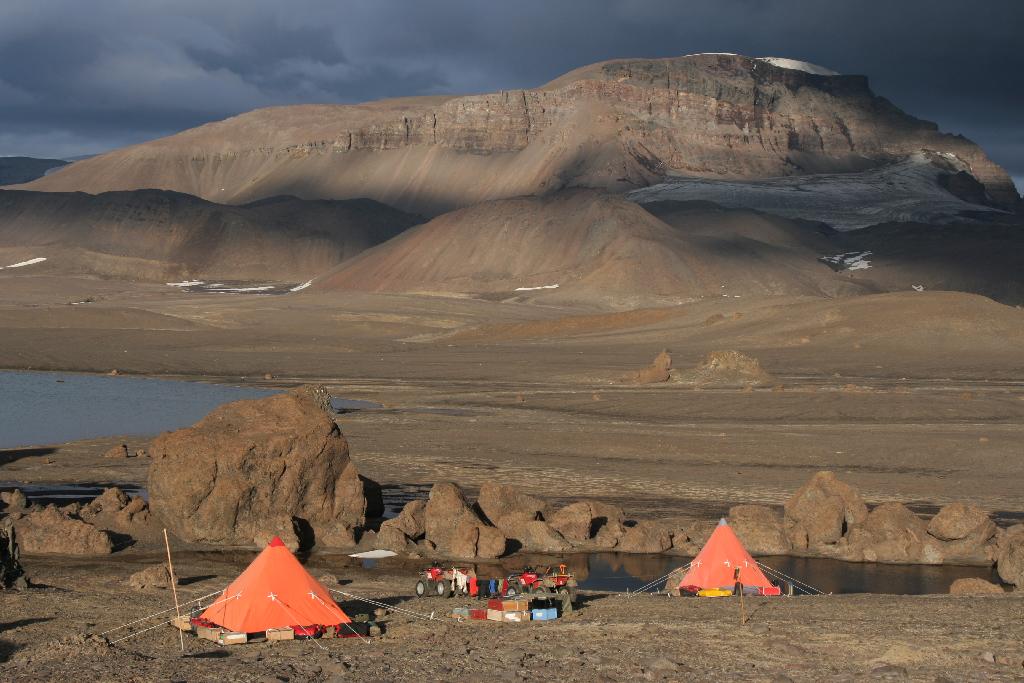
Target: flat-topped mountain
x=617, y=125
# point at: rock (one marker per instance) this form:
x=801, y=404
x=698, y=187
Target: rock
x=644, y=537
x=336, y=535
x=410, y=521
x=821, y=511
x=889, y=671
x=725, y=369
x=760, y=529
x=49, y=531
x=14, y=500
x=156, y=576
x=491, y=543
x=974, y=586
x=227, y=479
x=507, y=506
x=328, y=580
x=111, y=500
x=282, y=527
x=538, y=537
x=574, y=522
x=119, y=451
x=657, y=371
x=892, y=533
x=958, y=520
x=12, y=575
x=391, y=538
x=141, y=453
x=447, y=509
x=1010, y=560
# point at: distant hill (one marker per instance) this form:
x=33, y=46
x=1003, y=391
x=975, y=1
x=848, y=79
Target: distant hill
x=14, y=170
x=617, y=126
x=159, y=235
x=587, y=247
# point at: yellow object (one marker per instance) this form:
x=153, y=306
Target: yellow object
x=714, y=593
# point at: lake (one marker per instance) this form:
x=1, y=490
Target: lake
x=48, y=407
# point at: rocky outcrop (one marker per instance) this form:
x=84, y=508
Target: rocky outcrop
x=50, y=531
x=724, y=369
x=1010, y=558
x=614, y=125
x=821, y=511
x=155, y=576
x=645, y=537
x=958, y=520
x=14, y=501
x=115, y=511
x=506, y=506
x=409, y=525
x=250, y=468
x=455, y=528
x=760, y=529
x=974, y=586
x=12, y=575
x=657, y=371
x=590, y=523
x=892, y=533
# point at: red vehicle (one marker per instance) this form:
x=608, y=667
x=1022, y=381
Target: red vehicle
x=539, y=581
x=444, y=582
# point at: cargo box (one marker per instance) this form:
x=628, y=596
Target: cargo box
x=182, y=623
x=495, y=615
x=516, y=616
x=461, y=613
x=209, y=632
x=284, y=633
x=477, y=614
x=231, y=638
x=495, y=603
x=515, y=605
x=544, y=614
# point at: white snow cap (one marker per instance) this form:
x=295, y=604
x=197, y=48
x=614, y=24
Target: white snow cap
x=796, y=65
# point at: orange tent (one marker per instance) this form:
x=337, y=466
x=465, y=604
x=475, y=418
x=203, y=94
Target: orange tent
x=274, y=591
x=716, y=563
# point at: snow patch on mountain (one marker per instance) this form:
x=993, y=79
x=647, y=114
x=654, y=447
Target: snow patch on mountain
x=797, y=65
x=851, y=260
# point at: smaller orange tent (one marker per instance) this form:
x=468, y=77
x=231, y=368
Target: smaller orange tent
x=716, y=563
x=274, y=591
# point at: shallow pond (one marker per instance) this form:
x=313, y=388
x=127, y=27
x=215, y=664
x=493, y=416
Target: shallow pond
x=49, y=407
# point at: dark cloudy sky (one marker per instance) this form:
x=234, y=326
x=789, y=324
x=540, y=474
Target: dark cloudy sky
x=81, y=76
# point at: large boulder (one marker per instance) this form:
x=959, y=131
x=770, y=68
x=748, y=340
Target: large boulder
x=960, y=520
x=50, y=531
x=231, y=476
x=410, y=521
x=456, y=529
x=821, y=511
x=974, y=586
x=12, y=575
x=760, y=529
x=645, y=537
x=506, y=506
x=590, y=523
x=15, y=500
x=115, y=511
x=658, y=371
x=537, y=536
x=892, y=533
x=1010, y=560
x=966, y=532
x=154, y=576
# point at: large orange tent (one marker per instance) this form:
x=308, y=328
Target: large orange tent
x=716, y=564
x=274, y=591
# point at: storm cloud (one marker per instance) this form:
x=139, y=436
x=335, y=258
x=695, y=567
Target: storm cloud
x=80, y=77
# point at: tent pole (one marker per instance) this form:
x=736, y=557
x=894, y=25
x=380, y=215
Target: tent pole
x=174, y=588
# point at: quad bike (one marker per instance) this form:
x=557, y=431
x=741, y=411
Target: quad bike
x=442, y=582
x=531, y=581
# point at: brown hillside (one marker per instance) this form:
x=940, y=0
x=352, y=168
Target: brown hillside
x=596, y=248
x=615, y=125
x=155, y=235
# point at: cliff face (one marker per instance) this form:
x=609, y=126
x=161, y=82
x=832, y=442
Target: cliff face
x=615, y=125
